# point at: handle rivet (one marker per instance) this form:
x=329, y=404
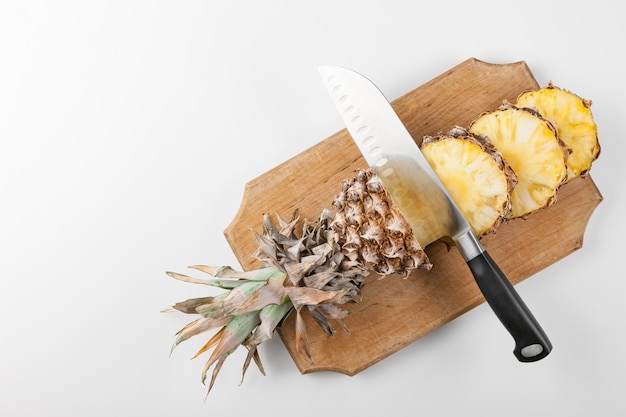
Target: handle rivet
x=532, y=350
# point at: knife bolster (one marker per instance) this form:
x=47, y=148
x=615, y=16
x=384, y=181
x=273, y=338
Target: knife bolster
x=468, y=245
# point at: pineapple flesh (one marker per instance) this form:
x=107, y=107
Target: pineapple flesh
x=475, y=174
x=574, y=122
x=531, y=146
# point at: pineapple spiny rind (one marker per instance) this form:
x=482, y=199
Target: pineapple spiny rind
x=371, y=230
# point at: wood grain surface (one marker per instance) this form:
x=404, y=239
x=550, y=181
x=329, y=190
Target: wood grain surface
x=395, y=311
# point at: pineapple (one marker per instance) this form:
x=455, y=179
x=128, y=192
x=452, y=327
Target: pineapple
x=316, y=269
x=476, y=175
x=574, y=122
x=531, y=146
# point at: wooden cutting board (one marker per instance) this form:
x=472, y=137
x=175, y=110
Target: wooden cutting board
x=394, y=311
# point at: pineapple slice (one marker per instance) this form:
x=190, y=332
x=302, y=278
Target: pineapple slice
x=530, y=144
x=475, y=174
x=574, y=122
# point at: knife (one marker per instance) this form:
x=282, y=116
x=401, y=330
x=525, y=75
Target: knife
x=393, y=155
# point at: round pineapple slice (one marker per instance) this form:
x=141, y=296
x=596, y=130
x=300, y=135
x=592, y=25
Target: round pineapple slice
x=475, y=174
x=574, y=122
x=529, y=143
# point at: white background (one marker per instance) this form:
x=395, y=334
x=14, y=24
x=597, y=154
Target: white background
x=128, y=130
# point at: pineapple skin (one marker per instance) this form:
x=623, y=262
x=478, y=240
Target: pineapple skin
x=372, y=231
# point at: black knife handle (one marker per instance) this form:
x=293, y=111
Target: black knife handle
x=531, y=343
